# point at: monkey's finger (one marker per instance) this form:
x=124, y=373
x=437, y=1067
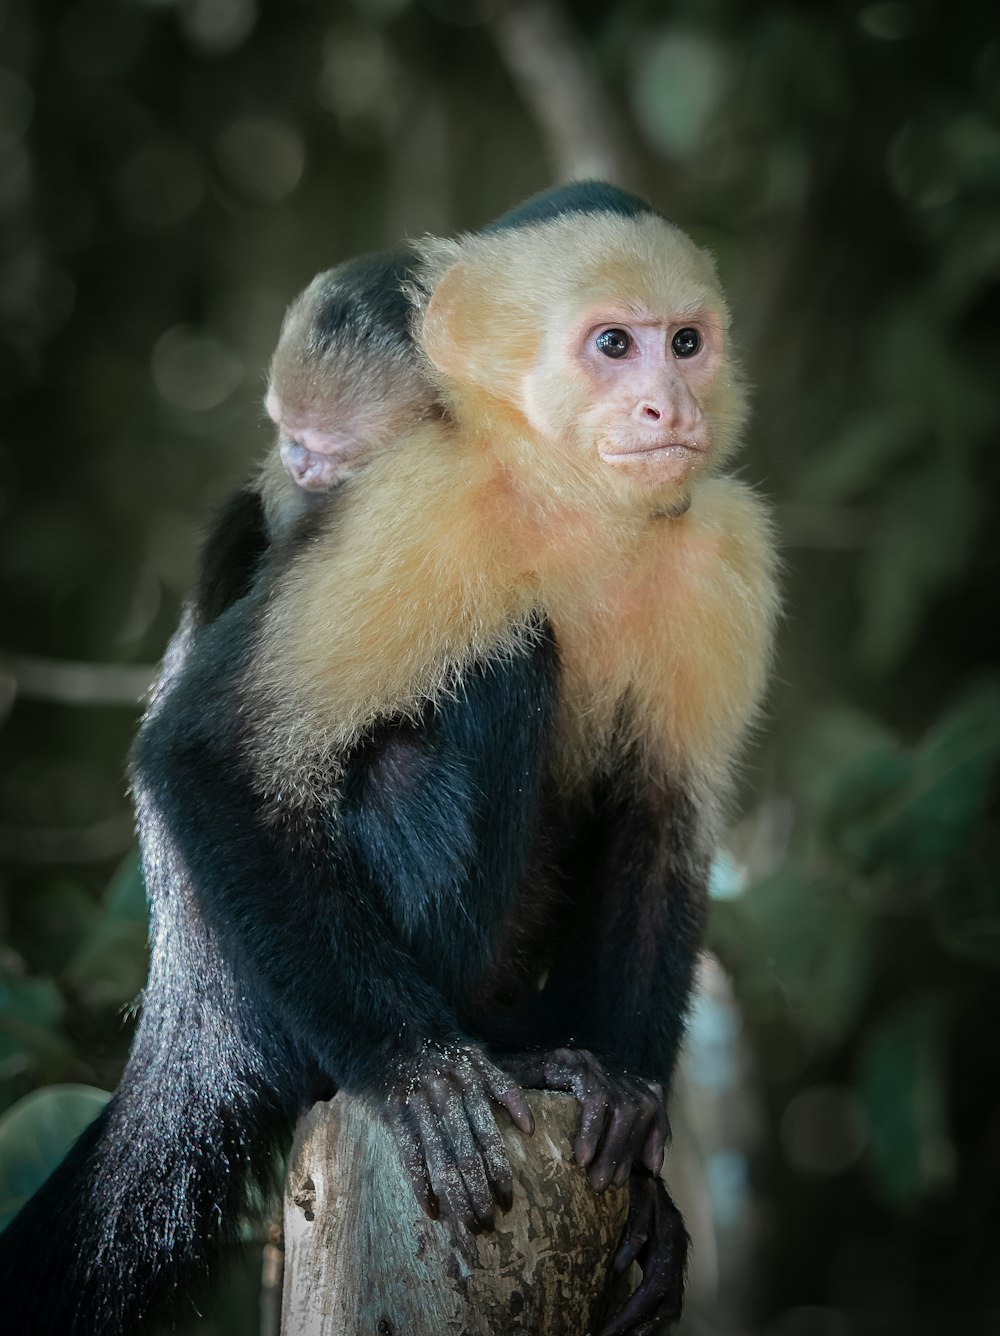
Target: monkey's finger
x=411, y=1153
x=509, y=1094
x=456, y=1165
x=593, y=1123
x=613, y=1161
x=468, y=1162
x=656, y=1142
x=483, y=1122
x=448, y=1184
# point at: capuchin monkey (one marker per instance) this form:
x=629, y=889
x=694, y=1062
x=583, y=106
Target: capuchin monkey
x=427, y=811
x=346, y=381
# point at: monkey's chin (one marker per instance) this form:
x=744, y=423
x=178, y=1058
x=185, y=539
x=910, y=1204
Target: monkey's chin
x=660, y=468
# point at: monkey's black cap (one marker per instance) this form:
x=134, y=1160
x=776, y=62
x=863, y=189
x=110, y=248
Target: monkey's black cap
x=574, y=197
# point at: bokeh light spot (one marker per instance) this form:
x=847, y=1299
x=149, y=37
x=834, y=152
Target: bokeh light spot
x=161, y=184
x=17, y=105
x=217, y=27
x=679, y=83
x=888, y=22
x=824, y=1130
x=359, y=82
x=194, y=371
x=261, y=157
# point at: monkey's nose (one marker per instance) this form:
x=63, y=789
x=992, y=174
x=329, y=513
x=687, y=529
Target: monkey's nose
x=649, y=413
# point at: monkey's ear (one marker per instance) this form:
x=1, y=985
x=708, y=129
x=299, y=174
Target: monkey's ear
x=456, y=325
x=476, y=332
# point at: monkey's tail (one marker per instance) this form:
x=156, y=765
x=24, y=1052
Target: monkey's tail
x=128, y=1224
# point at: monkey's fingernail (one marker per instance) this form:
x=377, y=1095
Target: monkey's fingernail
x=599, y=1178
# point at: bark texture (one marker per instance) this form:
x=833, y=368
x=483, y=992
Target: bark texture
x=361, y=1259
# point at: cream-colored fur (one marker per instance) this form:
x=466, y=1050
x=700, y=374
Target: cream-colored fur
x=440, y=562
x=451, y=544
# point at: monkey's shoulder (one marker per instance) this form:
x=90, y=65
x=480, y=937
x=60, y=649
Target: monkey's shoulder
x=390, y=602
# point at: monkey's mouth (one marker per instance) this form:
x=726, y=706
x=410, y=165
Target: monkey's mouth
x=681, y=451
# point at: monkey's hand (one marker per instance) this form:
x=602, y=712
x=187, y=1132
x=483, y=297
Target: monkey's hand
x=624, y=1122
x=655, y=1237
x=439, y=1108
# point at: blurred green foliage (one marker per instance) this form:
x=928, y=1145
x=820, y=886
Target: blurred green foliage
x=34, y=1136
x=171, y=173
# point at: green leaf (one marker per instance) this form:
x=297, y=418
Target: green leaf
x=933, y=817
x=35, y=1134
x=843, y=758
x=974, y=938
x=31, y=1015
x=861, y=793
x=58, y=916
x=680, y=81
x=903, y=1080
x=923, y=543
x=965, y=903
x=109, y=965
x=819, y=943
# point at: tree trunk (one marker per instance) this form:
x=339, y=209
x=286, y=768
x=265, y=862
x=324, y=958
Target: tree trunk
x=361, y=1259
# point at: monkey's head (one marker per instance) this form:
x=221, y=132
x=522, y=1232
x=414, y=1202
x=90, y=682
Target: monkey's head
x=606, y=337
x=345, y=378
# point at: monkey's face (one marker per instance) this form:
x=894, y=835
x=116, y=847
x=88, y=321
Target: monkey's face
x=335, y=411
x=630, y=388
x=607, y=336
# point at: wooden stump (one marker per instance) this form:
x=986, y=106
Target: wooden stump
x=361, y=1259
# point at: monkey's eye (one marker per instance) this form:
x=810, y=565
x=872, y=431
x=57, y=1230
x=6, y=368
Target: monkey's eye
x=686, y=342
x=614, y=342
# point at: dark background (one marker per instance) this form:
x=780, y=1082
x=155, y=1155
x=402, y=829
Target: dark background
x=172, y=173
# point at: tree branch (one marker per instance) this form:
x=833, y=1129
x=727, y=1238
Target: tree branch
x=70, y=682
x=551, y=70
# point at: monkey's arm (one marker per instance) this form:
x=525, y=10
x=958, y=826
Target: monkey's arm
x=362, y=913
x=653, y=888
x=622, y=981
x=622, y=974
